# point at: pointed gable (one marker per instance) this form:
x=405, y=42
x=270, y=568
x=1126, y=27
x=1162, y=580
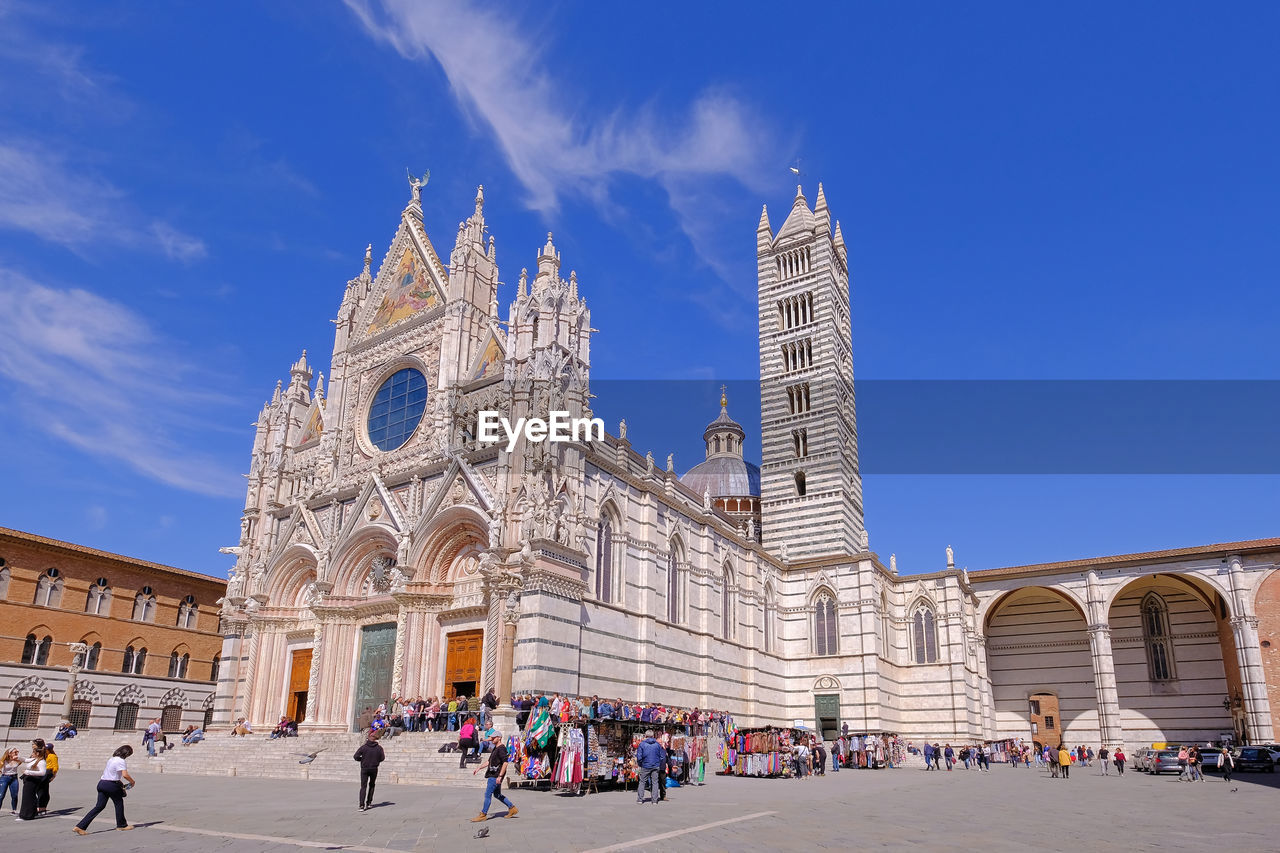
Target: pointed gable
x=313, y=426
x=489, y=362
x=409, y=282
x=799, y=221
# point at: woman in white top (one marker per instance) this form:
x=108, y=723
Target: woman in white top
x=9, y=779
x=33, y=770
x=110, y=787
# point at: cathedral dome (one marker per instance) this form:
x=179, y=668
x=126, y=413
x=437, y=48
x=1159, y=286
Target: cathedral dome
x=724, y=473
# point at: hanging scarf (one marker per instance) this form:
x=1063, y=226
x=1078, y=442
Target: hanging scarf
x=541, y=729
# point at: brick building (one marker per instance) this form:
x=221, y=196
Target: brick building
x=150, y=633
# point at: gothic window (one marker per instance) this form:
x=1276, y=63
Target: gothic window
x=604, y=560
x=673, y=583
x=144, y=606
x=213, y=670
x=727, y=616
x=533, y=326
x=187, y=612
x=91, y=661
x=4, y=580
x=99, y=601
x=800, y=441
x=80, y=710
x=42, y=651
x=26, y=713
x=126, y=716
x=178, y=665
x=135, y=661
x=29, y=649
x=770, y=614
x=49, y=589
x=924, y=636
x=1159, y=642
x=825, y=625
x=800, y=484
x=798, y=398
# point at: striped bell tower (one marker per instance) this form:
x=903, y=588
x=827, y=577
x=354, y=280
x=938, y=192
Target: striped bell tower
x=810, y=485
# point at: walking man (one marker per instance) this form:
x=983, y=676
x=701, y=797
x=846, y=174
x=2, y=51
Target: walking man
x=649, y=756
x=494, y=773
x=1227, y=763
x=1102, y=759
x=370, y=755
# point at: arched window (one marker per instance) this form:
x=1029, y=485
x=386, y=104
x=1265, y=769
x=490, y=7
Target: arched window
x=144, y=606
x=42, y=651
x=825, y=627
x=25, y=714
x=80, y=711
x=770, y=614
x=727, y=616
x=604, y=560
x=1159, y=642
x=800, y=484
x=91, y=661
x=126, y=716
x=924, y=636
x=49, y=589
x=213, y=670
x=29, y=649
x=173, y=664
x=4, y=580
x=886, y=638
x=99, y=601
x=135, y=660
x=673, y=582
x=187, y=612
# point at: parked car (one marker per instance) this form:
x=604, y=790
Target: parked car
x=1210, y=756
x=1138, y=761
x=1163, y=760
x=1256, y=758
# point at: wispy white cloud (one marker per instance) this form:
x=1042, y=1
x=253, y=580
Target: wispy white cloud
x=500, y=79
x=176, y=245
x=92, y=373
x=42, y=193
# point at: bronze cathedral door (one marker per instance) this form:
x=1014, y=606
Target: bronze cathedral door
x=373, y=676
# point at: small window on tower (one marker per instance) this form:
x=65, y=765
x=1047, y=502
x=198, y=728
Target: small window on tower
x=800, y=489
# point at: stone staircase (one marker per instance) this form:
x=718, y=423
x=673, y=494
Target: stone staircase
x=412, y=758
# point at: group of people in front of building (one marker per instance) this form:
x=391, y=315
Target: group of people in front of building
x=37, y=772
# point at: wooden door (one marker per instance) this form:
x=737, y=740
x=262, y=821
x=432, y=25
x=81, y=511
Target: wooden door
x=299, y=680
x=462, y=663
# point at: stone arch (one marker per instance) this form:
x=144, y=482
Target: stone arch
x=986, y=611
x=32, y=686
x=86, y=689
x=1210, y=592
x=826, y=682
x=174, y=696
x=352, y=561
x=291, y=575
x=131, y=693
x=1031, y=631
x=443, y=538
x=1188, y=659
x=207, y=704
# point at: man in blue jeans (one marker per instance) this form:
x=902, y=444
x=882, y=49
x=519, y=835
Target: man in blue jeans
x=494, y=773
x=649, y=755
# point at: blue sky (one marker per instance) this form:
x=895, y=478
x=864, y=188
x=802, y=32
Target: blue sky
x=1078, y=192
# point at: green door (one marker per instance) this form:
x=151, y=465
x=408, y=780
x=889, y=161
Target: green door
x=827, y=713
x=373, y=676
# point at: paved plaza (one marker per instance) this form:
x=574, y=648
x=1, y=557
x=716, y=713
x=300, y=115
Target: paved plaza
x=900, y=809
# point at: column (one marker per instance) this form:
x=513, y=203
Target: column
x=987, y=701
x=1110, y=731
x=226, y=701
x=1257, y=706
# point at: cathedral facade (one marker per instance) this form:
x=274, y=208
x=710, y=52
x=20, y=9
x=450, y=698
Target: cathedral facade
x=386, y=549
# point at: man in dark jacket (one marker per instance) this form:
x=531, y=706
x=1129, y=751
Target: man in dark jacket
x=649, y=756
x=370, y=755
